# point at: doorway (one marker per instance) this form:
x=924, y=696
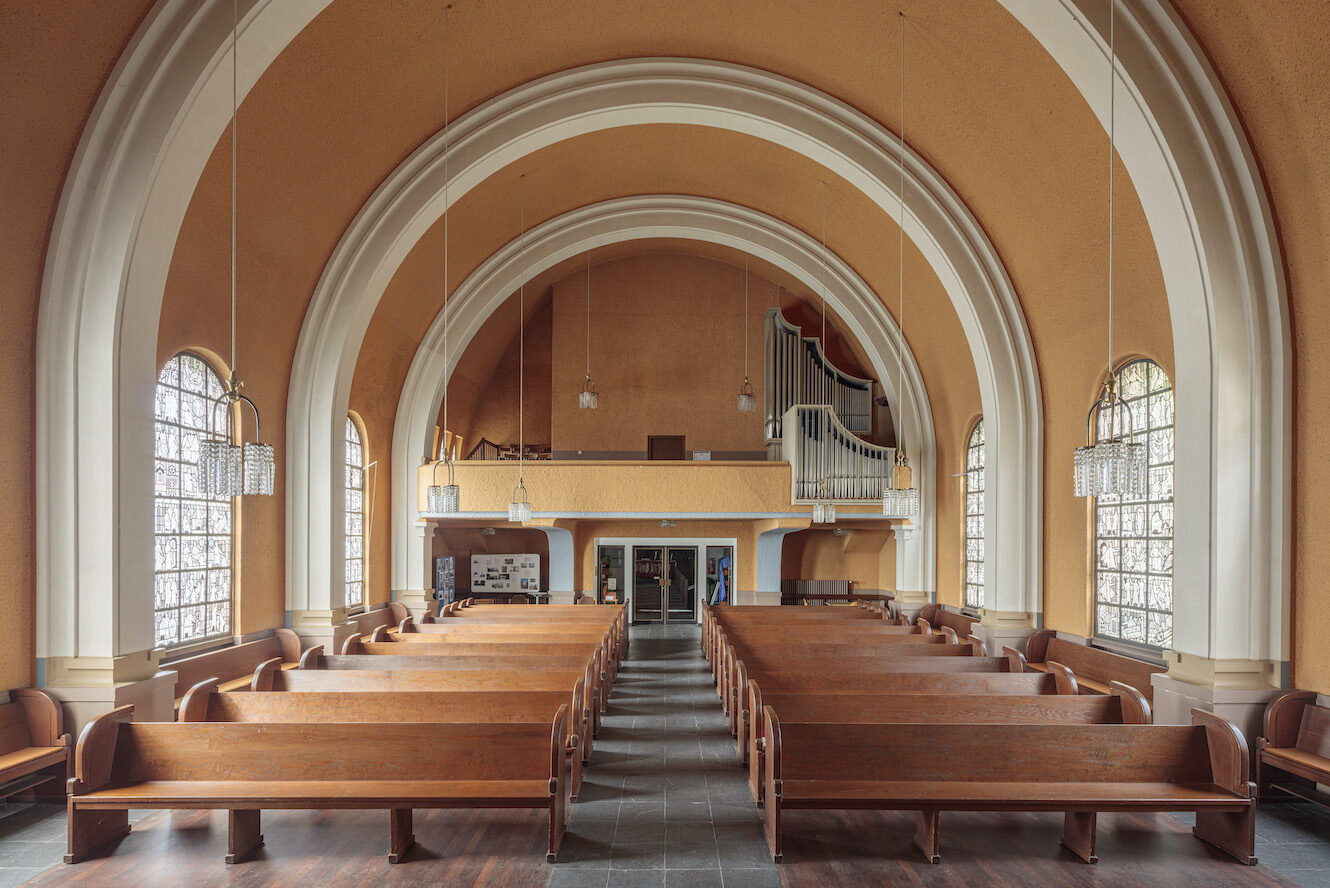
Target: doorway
x=665, y=447
x=663, y=580
x=665, y=584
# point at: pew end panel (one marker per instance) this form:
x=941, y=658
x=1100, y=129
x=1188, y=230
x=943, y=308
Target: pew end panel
x=289, y=644
x=90, y=831
x=380, y=633
x=772, y=782
x=1290, y=749
x=1135, y=708
x=1036, y=646
x=352, y=644
x=1231, y=831
x=1065, y=678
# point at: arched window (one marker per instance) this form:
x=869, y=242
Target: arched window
x=1134, y=537
x=355, y=517
x=974, y=517
x=192, y=549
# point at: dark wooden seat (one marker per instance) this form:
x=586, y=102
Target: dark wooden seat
x=1126, y=706
x=244, y=768
x=1077, y=769
x=1294, y=748
x=34, y=748
x=234, y=665
x=1096, y=669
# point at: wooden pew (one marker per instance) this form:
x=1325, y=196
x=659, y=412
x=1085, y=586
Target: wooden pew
x=235, y=664
x=34, y=748
x=204, y=703
x=940, y=618
x=243, y=768
x=1077, y=769
x=1095, y=668
x=544, y=636
x=962, y=706
x=1294, y=748
x=930, y=669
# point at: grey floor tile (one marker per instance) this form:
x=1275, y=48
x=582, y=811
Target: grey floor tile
x=638, y=857
x=763, y=877
x=650, y=878
x=699, y=855
x=16, y=876
x=575, y=878
x=693, y=879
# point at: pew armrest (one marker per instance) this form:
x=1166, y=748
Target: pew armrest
x=312, y=658
x=1283, y=717
x=1230, y=759
x=194, y=705
x=264, y=672
x=352, y=644
x=95, y=753
x=1066, y=679
x=1015, y=659
x=407, y=625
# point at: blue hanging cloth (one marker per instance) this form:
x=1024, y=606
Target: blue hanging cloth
x=722, y=593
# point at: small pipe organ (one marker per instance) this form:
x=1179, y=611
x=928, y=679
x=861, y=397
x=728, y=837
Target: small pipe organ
x=798, y=372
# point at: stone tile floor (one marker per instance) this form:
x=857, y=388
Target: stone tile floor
x=664, y=802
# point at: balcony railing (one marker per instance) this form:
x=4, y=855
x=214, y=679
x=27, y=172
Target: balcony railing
x=817, y=446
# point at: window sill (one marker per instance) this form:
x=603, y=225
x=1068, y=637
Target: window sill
x=1145, y=654
x=207, y=645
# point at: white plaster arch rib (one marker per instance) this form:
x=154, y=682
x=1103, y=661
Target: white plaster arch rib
x=1202, y=192
x=140, y=156
x=639, y=218
x=643, y=91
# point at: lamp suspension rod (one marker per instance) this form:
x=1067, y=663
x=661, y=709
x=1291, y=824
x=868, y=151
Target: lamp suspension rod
x=235, y=115
x=823, y=280
x=900, y=271
x=447, y=211
x=521, y=330
x=588, y=314
x=745, y=318
x=1112, y=144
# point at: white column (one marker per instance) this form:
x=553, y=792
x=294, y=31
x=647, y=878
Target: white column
x=561, y=564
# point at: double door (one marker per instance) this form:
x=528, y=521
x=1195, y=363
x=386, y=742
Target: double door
x=664, y=584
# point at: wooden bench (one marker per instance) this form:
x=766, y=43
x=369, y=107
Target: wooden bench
x=1126, y=706
x=235, y=664
x=34, y=748
x=1294, y=748
x=244, y=768
x=929, y=668
x=1077, y=769
x=204, y=703
x=1096, y=669
x=940, y=618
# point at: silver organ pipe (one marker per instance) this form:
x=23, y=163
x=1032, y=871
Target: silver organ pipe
x=798, y=372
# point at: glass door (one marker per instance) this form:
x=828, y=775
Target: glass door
x=648, y=584
x=682, y=585
x=720, y=574
x=610, y=588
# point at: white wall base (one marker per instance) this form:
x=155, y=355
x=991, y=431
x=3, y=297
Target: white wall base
x=1174, y=700
x=153, y=699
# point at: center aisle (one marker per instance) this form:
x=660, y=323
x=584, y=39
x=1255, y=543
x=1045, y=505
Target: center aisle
x=664, y=801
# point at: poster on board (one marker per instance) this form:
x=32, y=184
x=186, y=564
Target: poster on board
x=505, y=573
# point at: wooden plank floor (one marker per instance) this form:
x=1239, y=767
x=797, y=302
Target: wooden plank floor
x=506, y=848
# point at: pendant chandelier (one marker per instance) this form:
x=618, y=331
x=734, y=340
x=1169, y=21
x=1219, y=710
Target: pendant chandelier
x=445, y=499
x=747, y=400
x=519, y=510
x=1112, y=463
x=588, y=399
x=226, y=468
x=824, y=510
x=901, y=498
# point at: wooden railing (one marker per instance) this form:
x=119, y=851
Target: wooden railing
x=817, y=446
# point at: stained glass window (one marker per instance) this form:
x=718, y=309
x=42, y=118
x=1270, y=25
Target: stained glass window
x=355, y=517
x=974, y=517
x=1134, y=537
x=192, y=547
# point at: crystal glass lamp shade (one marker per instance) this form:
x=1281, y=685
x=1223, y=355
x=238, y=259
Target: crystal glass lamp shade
x=824, y=513
x=443, y=498
x=747, y=401
x=260, y=470
x=588, y=399
x=221, y=467
x=519, y=510
x=1116, y=467
x=900, y=502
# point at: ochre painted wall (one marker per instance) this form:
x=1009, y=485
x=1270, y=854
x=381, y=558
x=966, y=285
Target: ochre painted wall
x=867, y=558
x=53, y=64
x=667, y=354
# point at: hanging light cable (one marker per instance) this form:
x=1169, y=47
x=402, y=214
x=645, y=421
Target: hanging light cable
x=225, y=468
x=447, y=498
x=588, y=399
x=519, y=510
x=1114, y=465
x=902, y=497
x=747, y=400
x=824, y=509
